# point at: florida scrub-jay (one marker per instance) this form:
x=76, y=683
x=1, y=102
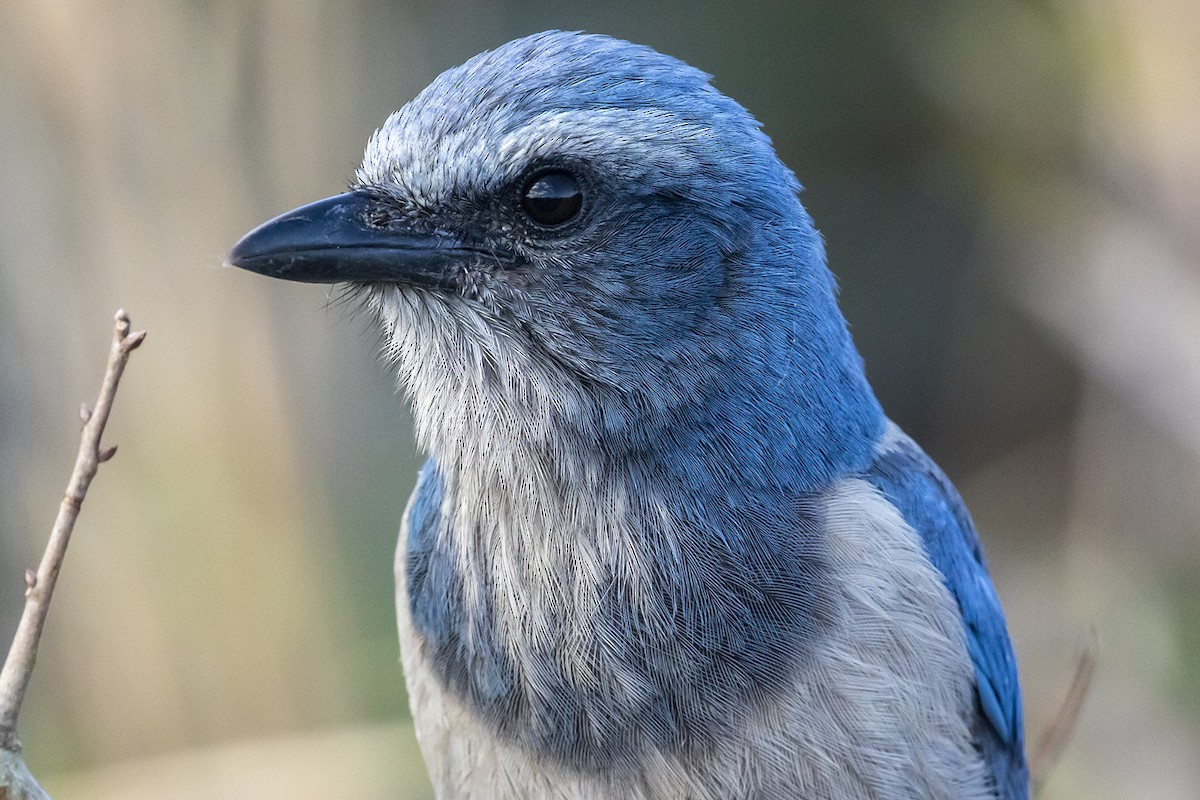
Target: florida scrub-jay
x=666, y=544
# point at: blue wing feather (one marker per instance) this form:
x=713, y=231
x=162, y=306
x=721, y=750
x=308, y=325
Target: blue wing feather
x=930, y=503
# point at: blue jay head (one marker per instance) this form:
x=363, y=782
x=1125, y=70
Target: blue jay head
x=575, y=226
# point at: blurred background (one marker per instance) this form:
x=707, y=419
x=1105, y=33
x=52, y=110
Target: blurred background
x=1010, y=192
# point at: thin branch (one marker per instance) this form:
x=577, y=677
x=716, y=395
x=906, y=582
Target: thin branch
x=14, y=678
x=1054, y=738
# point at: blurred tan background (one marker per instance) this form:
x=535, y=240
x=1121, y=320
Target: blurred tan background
x=1010, y=191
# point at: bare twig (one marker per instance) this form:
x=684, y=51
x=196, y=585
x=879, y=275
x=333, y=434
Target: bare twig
x=1055, y=736
x=14, y=678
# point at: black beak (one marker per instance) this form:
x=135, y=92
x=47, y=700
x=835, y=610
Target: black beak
x=331, y=241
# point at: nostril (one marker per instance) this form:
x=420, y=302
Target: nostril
x=381, y=216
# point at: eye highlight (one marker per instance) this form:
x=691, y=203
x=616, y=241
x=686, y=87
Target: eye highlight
x=552, y=198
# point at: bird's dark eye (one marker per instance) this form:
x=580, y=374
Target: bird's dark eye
x=552, y=198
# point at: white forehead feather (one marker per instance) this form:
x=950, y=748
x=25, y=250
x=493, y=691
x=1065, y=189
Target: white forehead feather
x=551, y=94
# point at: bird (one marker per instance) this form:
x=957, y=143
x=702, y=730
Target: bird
x=666, y=543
